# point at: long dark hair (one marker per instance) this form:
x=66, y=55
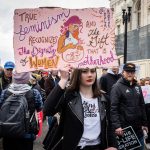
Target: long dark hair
x=75, y=82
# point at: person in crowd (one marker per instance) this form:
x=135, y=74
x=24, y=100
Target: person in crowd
x=6, y=75
x=83, y=118
x=51, y=81
x=109, y=79
x=104, y=71
x=147, y=81
x=44, y=76
x=127, y=104
x=49, y=84
x=106, y=82
x=1, y=70
x=41, y=82
x=141, y=82
x=37, y=75
x=20, y=85
x=147, y=107
x=33, y=82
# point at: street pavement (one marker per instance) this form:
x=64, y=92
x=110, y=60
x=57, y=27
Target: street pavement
x=38, y=142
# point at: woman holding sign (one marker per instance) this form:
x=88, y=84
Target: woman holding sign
x=83, y=114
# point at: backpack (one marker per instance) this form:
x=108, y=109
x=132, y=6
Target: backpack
x=15, y=118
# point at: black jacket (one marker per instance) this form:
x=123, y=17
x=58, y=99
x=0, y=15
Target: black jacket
x=127, y=106
x=50, y=84
x=5, y=82
x=72, y=119
x=107, y=81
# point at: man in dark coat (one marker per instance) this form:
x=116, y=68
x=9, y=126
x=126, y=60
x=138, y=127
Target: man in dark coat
x=109, y=79
x=49, y=84
x=106, y=82
x=51, y=81
x=127, y=104
x=44, y=76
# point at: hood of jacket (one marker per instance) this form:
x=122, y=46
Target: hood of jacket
x=111, y=72
x=18, y=88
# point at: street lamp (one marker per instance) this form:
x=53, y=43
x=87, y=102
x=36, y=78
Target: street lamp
x=126, y=14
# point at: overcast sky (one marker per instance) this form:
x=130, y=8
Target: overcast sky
x=7, y=8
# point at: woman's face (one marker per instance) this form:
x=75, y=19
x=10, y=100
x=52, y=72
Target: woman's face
x=88, y=77
x=73, y=28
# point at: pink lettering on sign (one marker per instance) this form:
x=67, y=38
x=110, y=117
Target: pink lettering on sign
x=100, y=61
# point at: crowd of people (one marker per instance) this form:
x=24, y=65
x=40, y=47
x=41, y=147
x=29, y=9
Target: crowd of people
x=92, y=111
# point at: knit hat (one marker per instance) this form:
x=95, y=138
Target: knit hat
x=21, y=78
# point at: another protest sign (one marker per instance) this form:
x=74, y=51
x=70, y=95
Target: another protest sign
x=146, y=93
x=51, y=38
x=129, y=140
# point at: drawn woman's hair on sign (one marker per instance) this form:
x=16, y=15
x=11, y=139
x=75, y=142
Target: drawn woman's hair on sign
x=69, y=43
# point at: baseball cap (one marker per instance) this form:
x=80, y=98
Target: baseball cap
x=129, y=67
x=9, y=65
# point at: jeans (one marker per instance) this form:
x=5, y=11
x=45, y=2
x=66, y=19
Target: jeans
x=142, y=143
x=50, y=119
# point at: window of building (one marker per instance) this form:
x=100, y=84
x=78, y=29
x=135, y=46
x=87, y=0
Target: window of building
x=138, y=6
x=118, y=29
x=130, y=23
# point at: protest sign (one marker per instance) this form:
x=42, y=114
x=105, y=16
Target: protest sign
x=51, y=38
x=146, y=93
x=129, y=140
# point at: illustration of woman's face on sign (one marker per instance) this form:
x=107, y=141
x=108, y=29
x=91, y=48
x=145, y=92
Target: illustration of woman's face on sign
x=73, y=27
x=73, y=24
x=74, y=30
x=69, y=43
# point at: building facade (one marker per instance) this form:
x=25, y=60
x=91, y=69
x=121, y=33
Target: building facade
x=138, y=36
